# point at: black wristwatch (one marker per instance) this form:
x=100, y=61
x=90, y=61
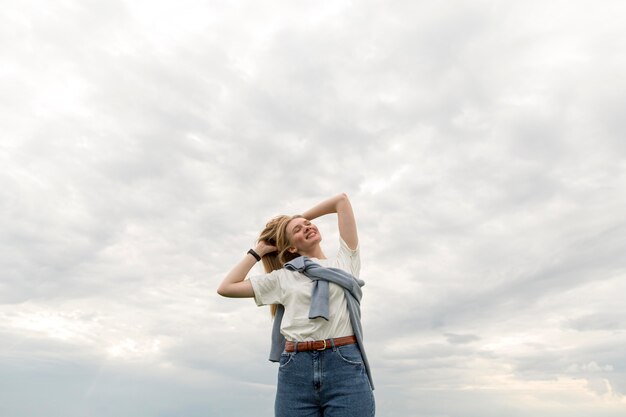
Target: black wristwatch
x=256, y=255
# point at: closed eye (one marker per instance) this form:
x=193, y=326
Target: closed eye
x=299, y=227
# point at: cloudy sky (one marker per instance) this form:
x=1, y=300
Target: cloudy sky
x=145, y=143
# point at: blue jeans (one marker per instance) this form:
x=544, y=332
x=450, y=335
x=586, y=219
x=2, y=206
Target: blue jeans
x=327, y=383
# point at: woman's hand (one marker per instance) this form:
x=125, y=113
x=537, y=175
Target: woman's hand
x=263, y=248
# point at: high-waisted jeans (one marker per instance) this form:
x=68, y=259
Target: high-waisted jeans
x=326, y=383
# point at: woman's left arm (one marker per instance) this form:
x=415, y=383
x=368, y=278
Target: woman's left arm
x=339, y=204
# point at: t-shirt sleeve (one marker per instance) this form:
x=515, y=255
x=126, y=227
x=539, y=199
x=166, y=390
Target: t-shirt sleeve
x=349, y=259
x=267, y=288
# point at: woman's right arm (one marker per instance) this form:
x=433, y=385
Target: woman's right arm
x=235, y=284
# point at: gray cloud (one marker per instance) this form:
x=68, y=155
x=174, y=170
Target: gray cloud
x=145, y=145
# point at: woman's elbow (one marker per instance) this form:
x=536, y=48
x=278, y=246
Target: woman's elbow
x=223, y=291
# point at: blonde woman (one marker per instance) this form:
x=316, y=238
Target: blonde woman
x=315, y=299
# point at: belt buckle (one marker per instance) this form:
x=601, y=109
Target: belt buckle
x=324, y=348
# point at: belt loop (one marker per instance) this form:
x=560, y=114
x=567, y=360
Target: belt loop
x=295, y=347
x=332, y=343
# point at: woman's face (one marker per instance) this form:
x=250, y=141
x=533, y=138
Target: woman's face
x=303, y=234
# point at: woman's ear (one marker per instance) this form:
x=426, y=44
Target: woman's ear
x=292, y=250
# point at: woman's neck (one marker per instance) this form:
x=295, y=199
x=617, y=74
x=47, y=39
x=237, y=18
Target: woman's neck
x=316, y=253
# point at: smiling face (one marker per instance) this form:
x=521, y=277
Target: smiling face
x=303, y=235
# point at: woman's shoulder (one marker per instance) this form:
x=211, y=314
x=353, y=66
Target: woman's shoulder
x=283, y=275
x=347, y=258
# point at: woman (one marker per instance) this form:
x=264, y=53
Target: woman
x=315, y=300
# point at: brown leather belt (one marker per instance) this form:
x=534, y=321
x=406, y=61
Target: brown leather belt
x=319, y=344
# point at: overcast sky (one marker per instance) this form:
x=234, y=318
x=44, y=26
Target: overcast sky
x=144, y=144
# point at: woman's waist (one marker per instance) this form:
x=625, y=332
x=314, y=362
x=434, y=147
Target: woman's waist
x=314, y=331
x=302, y=346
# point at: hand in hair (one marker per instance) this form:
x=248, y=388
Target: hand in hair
x=263, y=248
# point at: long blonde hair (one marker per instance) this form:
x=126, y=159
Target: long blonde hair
x=275, y=233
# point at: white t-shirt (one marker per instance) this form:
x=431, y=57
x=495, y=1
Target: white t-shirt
x=293, y=290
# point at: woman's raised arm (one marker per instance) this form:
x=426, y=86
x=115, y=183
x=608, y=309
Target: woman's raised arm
x=234, y=284
x=339, y=204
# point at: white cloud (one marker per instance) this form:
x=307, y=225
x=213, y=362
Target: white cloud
x=144, y=145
